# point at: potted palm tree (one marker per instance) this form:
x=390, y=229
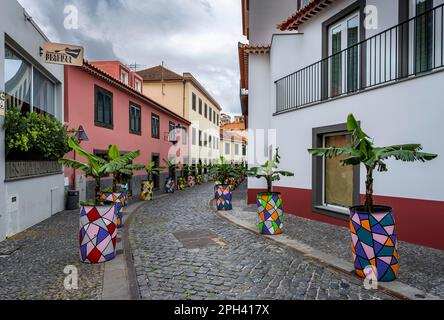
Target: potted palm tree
x=98, y=230
x=269, y=204
x=170, y=182
x=373, y=229
x=120, y=171
x=220, y=172
x=152, y=170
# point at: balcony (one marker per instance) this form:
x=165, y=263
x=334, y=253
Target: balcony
x=410, y=49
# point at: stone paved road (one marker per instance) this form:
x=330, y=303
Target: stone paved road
x=32, y=263
x=237, y=265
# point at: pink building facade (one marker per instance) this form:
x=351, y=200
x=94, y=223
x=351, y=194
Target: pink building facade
x=112, y=110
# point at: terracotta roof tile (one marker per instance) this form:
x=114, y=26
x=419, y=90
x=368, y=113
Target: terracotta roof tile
x=158, y=73
x=304, y=14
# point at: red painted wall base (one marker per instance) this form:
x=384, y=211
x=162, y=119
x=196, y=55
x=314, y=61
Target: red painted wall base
x=417, y=221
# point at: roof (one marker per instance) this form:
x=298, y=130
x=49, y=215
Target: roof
x=159, y=73
x=92, y=69
x=304, y=14
x=233, y=126
x=244, y=51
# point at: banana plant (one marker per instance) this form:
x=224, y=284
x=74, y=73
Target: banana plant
x=222, y=170
x=123, y=168
x=95, y=167
x=270, y=171
x=153, y=170
x=172, y=167
x=363, y=151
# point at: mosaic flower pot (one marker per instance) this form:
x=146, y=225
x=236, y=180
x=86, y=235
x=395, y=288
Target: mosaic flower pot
x=223, y=195
x=147, y=190
x=199, y=180
x=98, y=233
x=170, y=186
x=119, y=199
x=191, y=181
x=182, y=184
x=374, y=242
x=269, y=208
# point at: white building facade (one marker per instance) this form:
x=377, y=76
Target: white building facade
x=27, y=199
x=380, y=60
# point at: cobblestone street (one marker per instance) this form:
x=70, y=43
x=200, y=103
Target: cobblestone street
x=32, y=263
x=184, y=251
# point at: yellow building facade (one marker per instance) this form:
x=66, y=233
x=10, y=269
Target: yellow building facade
x=184, y=95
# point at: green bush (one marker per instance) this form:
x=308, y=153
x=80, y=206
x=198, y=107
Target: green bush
x=34, y=136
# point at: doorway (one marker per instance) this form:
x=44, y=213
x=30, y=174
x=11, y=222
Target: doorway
x=156, y=178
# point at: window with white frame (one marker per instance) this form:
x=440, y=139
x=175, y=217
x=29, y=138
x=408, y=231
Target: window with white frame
x=124, y=77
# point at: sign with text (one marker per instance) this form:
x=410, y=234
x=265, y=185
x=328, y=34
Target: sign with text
x=65, y=54
x=2, y=104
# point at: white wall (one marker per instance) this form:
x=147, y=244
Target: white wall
x=265, y=15
x=407, y=112
x=34, y=205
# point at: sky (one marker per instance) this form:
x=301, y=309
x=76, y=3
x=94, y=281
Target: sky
x=197, y=36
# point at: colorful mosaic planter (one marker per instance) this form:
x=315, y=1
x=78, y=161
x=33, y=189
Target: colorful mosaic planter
x=223, y=195
x=120, y=201
x=198, y=180
x=374, y=243
x=147, y=193
x=182, y=183
x=191, y=181
x=98, y=234
x=170, y=186
x=269, y=208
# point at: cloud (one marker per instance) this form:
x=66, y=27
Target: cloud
x=197, y=36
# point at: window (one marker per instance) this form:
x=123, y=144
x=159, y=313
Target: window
x=424, y=36
x=44, y=94
x=135, y=119
x=194, y=102
x=227, y=148
x=205, y=140
x=206, y=111
x=184, y=136
x=217, y=122
x=200, y=106
x=210, y=114
x=244, y=150
x=18, y=75
x=214, y=117
x=236, y=149
x=103, y=108
x=211, y=141
x=335, y=187
x=193, y=137
x=138, y=86
x=172, y=131
x=342, y=35
x=200, y=138
x=155, y=126
x=124, y=77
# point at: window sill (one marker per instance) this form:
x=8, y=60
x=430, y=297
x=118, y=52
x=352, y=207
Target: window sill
x=334, y=213
x=105, y=126
x=136, y=133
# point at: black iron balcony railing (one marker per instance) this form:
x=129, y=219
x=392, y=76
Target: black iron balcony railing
x=411, y=48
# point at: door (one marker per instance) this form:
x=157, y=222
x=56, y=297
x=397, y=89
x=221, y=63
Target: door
x=344, y=51
x=156, y=178
x=424, y=36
